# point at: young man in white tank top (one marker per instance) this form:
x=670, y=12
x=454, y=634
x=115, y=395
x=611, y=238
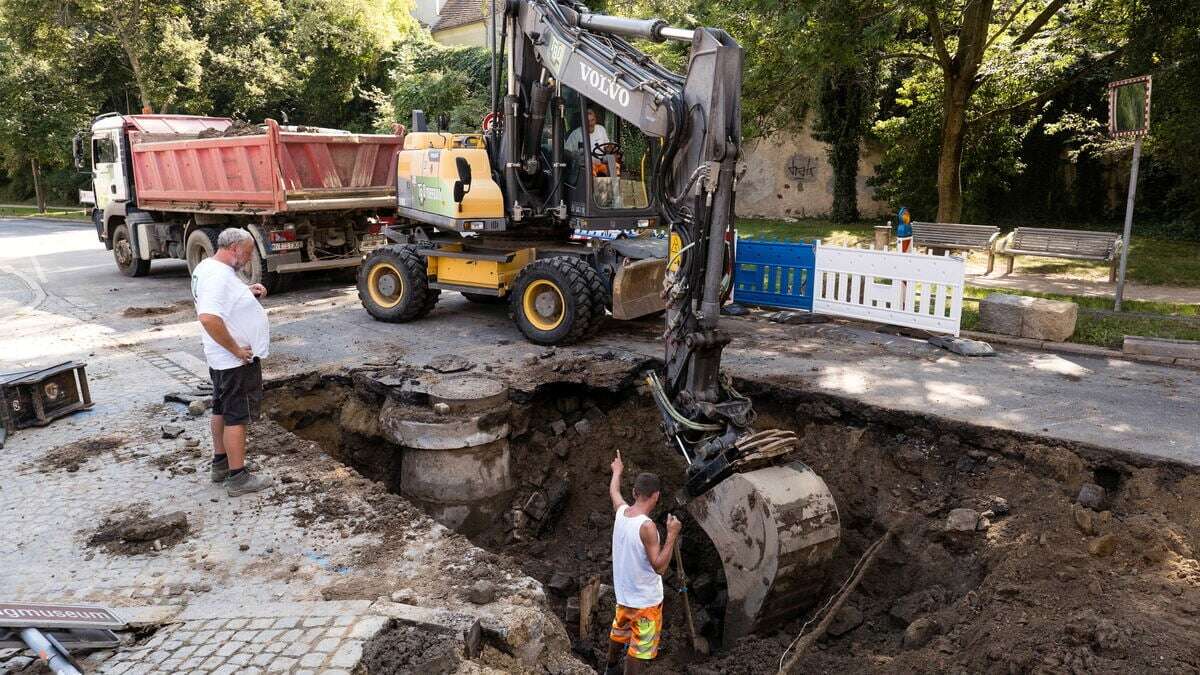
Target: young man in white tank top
x=639, y=560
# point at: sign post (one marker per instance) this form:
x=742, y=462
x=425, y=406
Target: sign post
x=1129, y=115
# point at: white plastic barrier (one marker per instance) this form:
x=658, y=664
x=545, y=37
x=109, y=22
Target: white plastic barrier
x=904, y=289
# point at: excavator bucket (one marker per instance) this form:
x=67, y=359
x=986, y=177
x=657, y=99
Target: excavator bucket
x=774, y=529
x=637, y=289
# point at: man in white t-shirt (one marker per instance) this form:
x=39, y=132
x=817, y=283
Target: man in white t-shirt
x=639, y=561
x=598, y=136
x=236, y=337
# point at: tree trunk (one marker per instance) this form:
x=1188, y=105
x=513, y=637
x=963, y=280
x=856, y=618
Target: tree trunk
x=37, y=185
x=954, y=129
x=135, y=64
x=843, y=155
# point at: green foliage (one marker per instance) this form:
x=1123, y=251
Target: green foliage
x=436, y=79
x=1165, y=43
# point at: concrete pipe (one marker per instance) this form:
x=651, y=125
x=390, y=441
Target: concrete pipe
x=455, y=460
x=774, y=529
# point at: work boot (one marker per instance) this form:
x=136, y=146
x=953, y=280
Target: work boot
x=220, y=470
x=245, y=483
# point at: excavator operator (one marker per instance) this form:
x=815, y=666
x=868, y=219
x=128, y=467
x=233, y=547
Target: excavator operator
x=604, y=161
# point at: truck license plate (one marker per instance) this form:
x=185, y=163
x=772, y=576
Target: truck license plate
x=286, y=245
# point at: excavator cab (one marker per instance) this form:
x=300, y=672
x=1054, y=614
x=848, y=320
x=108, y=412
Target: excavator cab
x=607, y=184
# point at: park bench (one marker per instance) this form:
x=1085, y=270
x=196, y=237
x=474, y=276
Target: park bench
x=937, y=237
x=1070, y=244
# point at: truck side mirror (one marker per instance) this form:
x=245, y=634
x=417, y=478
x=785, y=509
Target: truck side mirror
x=463, y=185
x=77, y=151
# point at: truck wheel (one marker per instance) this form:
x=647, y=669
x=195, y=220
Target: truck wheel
x=552, y=300
x=127, y=260
x=481, y=299
x=201, y=244
x=255, y=272
x=393, y=286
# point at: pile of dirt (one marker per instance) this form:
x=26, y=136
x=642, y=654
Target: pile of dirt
x=133, y=531
x=72, y=456
x=140, y=312
x=238, y=128
x=401, y=648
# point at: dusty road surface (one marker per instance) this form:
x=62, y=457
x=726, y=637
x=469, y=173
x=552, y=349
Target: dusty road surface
x=332, y=570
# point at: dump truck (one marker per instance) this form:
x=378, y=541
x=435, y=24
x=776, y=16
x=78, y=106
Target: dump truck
x=164, y=186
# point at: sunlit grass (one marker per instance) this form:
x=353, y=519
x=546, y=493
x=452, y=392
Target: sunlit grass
x=18, y=211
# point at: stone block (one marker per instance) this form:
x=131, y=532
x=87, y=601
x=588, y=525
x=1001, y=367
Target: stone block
x=1034, y=318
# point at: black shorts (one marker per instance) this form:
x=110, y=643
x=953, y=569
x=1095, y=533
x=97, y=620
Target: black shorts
x=237, y=392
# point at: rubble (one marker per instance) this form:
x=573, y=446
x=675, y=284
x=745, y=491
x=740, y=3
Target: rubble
x=482, y=592
x=962, y=520
x=1091, y=496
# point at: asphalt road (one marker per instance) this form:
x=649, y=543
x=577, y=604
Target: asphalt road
x=61, y=289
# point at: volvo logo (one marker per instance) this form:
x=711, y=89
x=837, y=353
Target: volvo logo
x=604, y=84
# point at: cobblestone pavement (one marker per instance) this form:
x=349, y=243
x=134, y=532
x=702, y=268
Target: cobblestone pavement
x=246, y=589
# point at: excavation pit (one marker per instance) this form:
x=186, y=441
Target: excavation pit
x=1026, y=589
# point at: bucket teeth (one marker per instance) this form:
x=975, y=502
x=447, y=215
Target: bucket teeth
x=763, y=448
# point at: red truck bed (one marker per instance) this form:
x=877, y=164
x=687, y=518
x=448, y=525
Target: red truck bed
x=273, y=172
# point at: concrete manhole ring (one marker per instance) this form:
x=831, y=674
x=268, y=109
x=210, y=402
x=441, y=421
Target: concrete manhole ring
x=468, y=393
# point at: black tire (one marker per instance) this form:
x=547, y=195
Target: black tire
x=201, y=244
x=601, y=299
x=480, y=298
x=393, y=286
x=124, y=255
x=255, y=272
x=552, y=301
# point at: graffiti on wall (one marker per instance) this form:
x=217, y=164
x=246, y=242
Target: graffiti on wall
x=802, y=168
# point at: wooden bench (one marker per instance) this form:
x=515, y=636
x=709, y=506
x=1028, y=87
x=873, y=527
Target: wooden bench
x=1069, y=244
x=938, y=237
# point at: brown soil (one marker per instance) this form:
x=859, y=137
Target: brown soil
x=1048, y=587
x=133, y=531
x=72, y=456
x=140, y=312
x=408, y=649
x=238, y=128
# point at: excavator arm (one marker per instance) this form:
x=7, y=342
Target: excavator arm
x=772, y=520
x=698, y=118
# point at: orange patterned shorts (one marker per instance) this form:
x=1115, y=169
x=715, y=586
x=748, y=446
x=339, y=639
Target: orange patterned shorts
x=640, y=628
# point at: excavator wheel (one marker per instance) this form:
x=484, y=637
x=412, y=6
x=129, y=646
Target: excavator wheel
x=774, y=528
x=393, y=287
x=553, y=300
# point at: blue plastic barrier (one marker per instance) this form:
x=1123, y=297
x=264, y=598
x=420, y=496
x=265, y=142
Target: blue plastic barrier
x=774, y=273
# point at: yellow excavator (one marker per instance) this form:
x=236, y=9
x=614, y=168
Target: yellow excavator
x=592, y=134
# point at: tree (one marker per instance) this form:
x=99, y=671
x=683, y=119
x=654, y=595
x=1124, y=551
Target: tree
x=40, y=115
x=971, y=42
x=154, y=36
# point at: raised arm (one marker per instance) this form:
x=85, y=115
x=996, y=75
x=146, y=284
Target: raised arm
x=614, y=485
x=659, y=554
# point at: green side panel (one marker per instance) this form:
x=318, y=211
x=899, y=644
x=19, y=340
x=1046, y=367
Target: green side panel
x=427, y=193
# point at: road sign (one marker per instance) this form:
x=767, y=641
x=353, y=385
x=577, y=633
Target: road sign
x=1129, y=115
x=37, y=615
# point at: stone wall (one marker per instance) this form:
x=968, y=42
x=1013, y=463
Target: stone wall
x=788, y=175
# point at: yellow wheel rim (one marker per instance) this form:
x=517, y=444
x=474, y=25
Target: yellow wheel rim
x=385, y=284
x=544, y=305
